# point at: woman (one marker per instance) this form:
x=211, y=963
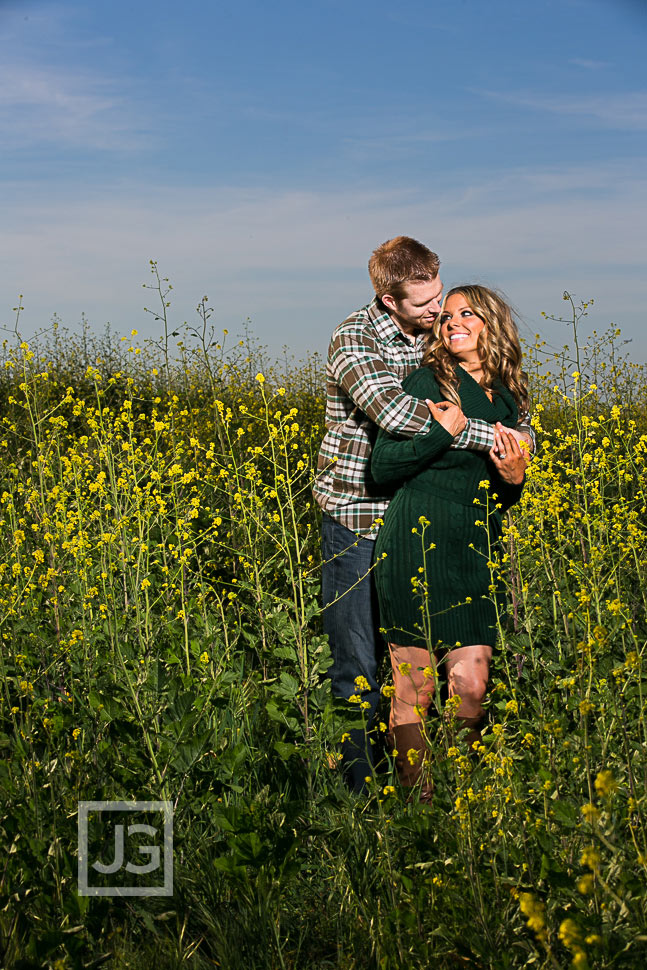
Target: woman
x=434, y=583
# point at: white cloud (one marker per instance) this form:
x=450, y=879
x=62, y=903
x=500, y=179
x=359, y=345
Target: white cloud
x=588, y=65
x=64, y=107
x=625, y=110
x=296, y=262
x=63, y=86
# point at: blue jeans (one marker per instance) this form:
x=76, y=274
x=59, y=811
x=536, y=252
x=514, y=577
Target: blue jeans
x=353, y=628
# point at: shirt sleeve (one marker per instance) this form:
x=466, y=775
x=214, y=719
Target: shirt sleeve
x=358, y=368
x=524, y=425
x=478, y=435
x=395, y=459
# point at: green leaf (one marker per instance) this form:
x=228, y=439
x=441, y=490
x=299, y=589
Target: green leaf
x=285, y=750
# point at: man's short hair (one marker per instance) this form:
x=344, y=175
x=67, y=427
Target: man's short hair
x=398, y=261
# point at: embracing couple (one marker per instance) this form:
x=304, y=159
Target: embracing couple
x=426, y=407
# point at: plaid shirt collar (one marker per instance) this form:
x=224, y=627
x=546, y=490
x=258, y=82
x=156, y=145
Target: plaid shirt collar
x=386, y=329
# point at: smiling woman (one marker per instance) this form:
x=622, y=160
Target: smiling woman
x=460, y=328
x=436, y=592
x=477, y=330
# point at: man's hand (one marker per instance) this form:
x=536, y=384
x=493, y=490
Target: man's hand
x=508, y=457
x=448, y=415
x=519, y=436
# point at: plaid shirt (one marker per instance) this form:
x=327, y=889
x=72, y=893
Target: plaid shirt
x=368, y=359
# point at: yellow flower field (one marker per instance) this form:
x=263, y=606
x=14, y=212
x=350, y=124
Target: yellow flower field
x=161, y=640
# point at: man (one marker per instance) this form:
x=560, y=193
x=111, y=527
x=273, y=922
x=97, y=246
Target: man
x=370, y=354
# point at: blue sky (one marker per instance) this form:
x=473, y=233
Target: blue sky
x=259, y=152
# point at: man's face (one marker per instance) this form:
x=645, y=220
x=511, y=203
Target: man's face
x=418, y=307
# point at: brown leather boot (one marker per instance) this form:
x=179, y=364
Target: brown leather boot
x=411, y=761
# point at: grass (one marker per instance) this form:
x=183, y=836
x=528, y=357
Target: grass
x=161, y=631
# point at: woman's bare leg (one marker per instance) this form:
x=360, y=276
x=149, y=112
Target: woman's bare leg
x=413, y=680
x=414, y=687
x=467, y=670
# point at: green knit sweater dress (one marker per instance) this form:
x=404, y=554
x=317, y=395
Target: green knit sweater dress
x=434, y=583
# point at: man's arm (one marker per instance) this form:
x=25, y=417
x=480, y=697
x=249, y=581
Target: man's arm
x=478, y=435
x=360, y=370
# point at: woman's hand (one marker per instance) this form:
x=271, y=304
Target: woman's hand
x=508, y=458
x=448, y=415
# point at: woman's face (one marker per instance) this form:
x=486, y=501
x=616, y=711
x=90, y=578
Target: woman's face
x=459, y=327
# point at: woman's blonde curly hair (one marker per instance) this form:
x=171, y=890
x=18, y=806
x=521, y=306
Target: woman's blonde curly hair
x=498, y=347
